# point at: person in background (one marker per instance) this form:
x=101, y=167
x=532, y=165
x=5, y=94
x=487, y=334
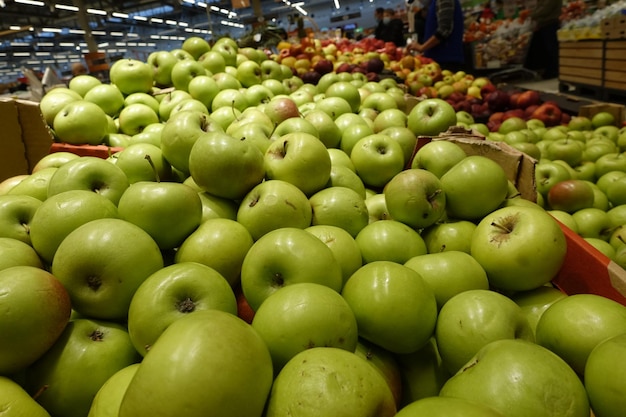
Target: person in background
x=78, y=69
x=543, y=51
x=443, y=35
x=416, y=16
x=378, y=15
x=392, y=29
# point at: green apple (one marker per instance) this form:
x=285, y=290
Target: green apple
x=617, y=215
x=171, y=293
x=352, y=133
x=135, y=117
x=474, y=187
x=486, y=379
x=196, y=46
x=446, y=407
x=430, y=117
x=62, y=213
x=89, y=173
x=168, y=211
x=343, y=246
x=287, y=256
x=228, y=48
x=83, y=83
x=225, y=166
x=415, y=197
x=342, y=176
x=144, y=162
x=213, y=62
x=296, y=124
x=219, y=243
x=405, y=138
x=14, y=252
x=132, y=76
x=16, y=213
x=534, y=302
x=274, y=204
x=16, y=401
x=53, y=101
x=603, y=376
x=610, y=162
x=209, y=360
x=394, y=307
x=59, y=379
x=438, y=156
x=225, y=81
x=385, y=363
x=347, y=91
x=377, y=159
x=308, y=386
x=548, y=173
x=500, y=244
x=80, y=122
x=593, y=222
x=328, y=131
x=450, y=235
x=203, y=88
x=107, y=400
x=180, y=134
x=333, y=106
x=36, y=309
x=574, y=325
x=281, y=108
x=471, y=319
x=249, y=73
x=341, y=207
x=102, y=263
x=230, y=98
x=190, y=104
x=389, y=240
x=34, y=185
x=302, y=316
x=170, y=101
x=162, y=63
x=449, y=273
x=108, y=97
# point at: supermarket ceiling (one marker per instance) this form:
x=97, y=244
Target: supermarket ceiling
x=40, y=33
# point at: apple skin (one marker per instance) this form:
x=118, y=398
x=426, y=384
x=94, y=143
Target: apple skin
x=573, y=326
x=53, y=101
x=454, y=235
x=108, y=97
x=389, y=240
x=415, y=197
x=107, y=400
x=274, y=204
x=385, y=363
x=89, y=173
x=14, y=252
x=377, y=159
x=81, y=122
x=218, y=243
x=302, y=316
x=603, y=373
x=341, y=207
x=535, y=302
x=171, y=293
x=16, y=213
x=486, y=379
x=449, y=273
x=102, y=263
x=62, y=213
x=35, y=185
x=209, y=360
x=36, y=309
x=474, y=187
x=471, y=319
x=500, y=245
x=307, y=386
x=16, y=401
x=570, y=195
x=287, y=256
x=430, y=117
x=59, y=378
x=132, y=76
x=446, y=407
x=387, y=317
x=343, y=246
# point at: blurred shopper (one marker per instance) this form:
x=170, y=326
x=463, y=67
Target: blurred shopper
x=416, y=16
x=443, y=35
x=391, y=28
x=543, y=52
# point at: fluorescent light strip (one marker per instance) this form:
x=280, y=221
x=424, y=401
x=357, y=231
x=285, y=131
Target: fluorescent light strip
x=120, y=43
x=189, y=1
x=52, y=30
x=45, y=44
x=170, y=22
x=21, y=53
x=15, y=27
x=66, y=7
x=77, y=31
x=202, y=4
x=215, y=8
x=97, y=11
x=98, y=32
x=31, y=2
x=132, y=35
x=120, y=15
x=337, y=5
x=42, y=53
x=156, y=20
x=301, y=10
x=142, y=18
x=155, y=37
x=19, y=44
x=116, y=34
x=66, y=44
x=183, y=24
x=49, y=61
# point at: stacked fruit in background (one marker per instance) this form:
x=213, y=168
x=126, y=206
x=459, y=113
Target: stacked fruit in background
x=302, y=208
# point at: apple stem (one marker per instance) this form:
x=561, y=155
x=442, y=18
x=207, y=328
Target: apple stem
x=501, y=227
x=40, y=391
x=156, y=173
x=232, y=107
x=621, y=239
x=434, y=194
x=97, y=335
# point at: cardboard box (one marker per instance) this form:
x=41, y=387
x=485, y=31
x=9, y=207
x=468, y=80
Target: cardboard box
x=100, y=151
x=585, y=270
x=25, y=137
x=617, y=110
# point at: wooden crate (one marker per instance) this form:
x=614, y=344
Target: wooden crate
x=581, y=62
x=615, y=65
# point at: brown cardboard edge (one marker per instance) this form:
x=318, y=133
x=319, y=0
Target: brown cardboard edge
x=13, y=155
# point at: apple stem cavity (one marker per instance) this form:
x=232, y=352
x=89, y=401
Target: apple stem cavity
x=186, y=306
x=94, y=282
x=97, y=335
x=156, y=173
x=278, y=280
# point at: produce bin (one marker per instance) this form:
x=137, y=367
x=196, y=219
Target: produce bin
x=25, y=137
x=585, y=269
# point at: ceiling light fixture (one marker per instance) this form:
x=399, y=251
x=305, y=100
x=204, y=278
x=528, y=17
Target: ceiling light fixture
x=120, y=15
x=337, y=5
x=97, y=11
x=66, y=7
x=31, y=2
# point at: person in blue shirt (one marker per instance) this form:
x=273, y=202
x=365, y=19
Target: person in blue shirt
x=443, y=35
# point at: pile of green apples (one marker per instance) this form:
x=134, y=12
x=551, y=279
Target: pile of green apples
x=252, y=252
x=579, y=175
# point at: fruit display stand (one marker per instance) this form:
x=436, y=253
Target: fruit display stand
x=615, y=67
x=585, y=270
x=580, y=65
